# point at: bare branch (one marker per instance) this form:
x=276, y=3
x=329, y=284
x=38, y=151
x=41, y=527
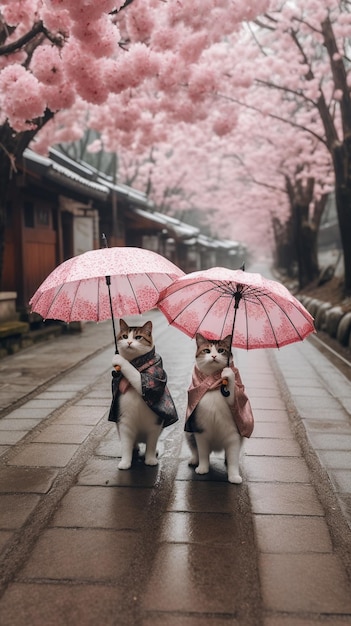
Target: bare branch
x=272, y=116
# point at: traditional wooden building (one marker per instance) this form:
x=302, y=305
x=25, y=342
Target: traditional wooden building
x=58, y=208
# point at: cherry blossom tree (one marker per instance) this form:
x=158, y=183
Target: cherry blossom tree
x=59, y=55
x=303, y=55
x=156, y=132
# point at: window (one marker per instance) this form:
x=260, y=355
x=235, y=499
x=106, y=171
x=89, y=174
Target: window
x=36, y=216
x=29, y=214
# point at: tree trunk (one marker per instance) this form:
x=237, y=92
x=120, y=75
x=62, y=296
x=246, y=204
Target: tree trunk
x=342, y=167
x=285, y=258
x=305, y=241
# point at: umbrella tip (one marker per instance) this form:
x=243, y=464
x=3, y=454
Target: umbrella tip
x=104, y=240
x=242, y=267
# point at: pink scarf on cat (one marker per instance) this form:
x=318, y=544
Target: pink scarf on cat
x=241, y=409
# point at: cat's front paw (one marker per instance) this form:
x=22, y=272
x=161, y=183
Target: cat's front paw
x=202, y=469
x=228, y=373
x=124, y=465
x=235, y=479
x=193, y=462
x=118, y=360
x=151, y=462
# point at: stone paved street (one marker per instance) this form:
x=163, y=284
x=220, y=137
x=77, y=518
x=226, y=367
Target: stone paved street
x=84, y=543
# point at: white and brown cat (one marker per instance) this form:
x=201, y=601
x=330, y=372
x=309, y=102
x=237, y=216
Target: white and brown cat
x=217, y=422
x=141, y=402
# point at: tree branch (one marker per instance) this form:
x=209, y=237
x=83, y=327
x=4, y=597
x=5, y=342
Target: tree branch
x=38, y=28
x=272, y=116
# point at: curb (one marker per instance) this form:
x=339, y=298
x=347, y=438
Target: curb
x=329, y=318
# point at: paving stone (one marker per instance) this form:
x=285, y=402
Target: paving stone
x=203, y=497
x=272, y=447
x=326, y=426
x=33, y=413
x=273, y=430
x=81, y=554
x=273, y=404
x=104, y=472
x=5, y=535
x=40, y=403
x=317, y=402
x=17, y=424
x=96, y=402
x=308, y=412
x=190, y=582
x=26, y=479
x=44, y=455
x=330, y=441
x=336, y=459
x=102, y=507
x=196, y=619
x=294, y=620
x=276, y=469
x=60, y=605
x=199, y=528
x=266, y=415
x=10, y=437
x=59, y=433
x=342, y=480
x=283, y=533
x=284, y=499
x=15, y=509
x=301, y=583
x=80, y=415
x=254, y=392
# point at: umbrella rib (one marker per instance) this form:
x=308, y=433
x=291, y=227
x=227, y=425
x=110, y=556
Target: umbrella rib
x=225, y=317
x=153, y=283
x=74, y=299
x=247, y=323
x=132, y=289
x=208, y=310
x=56, y=296
x=204, y=293
x=268, y=318
x=98, y=301
x=53, y=301
x=258, y=295
x=287, y=316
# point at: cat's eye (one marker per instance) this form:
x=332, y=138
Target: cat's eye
x=220, y=350
x=124, y=336
x=206, y=351
x=138, y=337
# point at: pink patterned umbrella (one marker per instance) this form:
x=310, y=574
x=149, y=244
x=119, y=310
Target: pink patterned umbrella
x=255, y=311
x=100, y=284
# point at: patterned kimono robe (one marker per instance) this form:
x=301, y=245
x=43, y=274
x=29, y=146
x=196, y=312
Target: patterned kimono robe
x=155, y=392
x=241, y=409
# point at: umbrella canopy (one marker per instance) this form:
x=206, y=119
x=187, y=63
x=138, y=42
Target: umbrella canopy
x=100, y=284
x=255, y=311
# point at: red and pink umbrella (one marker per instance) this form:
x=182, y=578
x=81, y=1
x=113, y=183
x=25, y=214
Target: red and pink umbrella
x=255, y=311
x=103, y=284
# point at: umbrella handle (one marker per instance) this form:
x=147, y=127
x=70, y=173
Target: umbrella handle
x=224, y=391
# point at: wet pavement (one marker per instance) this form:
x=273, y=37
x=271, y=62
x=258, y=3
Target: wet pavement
x=83, y=543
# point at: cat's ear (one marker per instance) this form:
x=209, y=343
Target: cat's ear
x=123, y=326
x=227, y=342
x=147, y=328
x=200, y=340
